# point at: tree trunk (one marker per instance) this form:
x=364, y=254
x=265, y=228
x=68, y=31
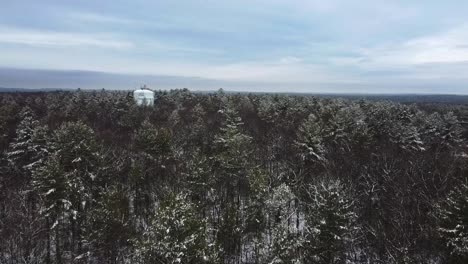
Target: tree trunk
x=58, y=254
x=48, y=241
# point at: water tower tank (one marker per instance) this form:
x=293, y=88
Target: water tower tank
x=143, y=96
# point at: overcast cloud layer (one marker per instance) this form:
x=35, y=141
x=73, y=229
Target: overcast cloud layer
x=257, y=45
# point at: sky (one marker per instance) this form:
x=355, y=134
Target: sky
x=333, y=46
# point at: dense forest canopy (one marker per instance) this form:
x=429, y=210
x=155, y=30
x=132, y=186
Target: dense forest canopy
x=90, y=177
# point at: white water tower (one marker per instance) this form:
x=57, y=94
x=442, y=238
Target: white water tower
x=144, y=96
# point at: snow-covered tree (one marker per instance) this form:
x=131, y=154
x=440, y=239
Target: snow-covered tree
x=19, y=148
x=232, y=143
x=329, y=223
x=231, y=166
x=284, y=244
x=29, y=149
x=152, y=148
x=453, y=221
x=198, y=135
x=76, y=149
x=153, y=141
x=200, y=180
x=25, y=154
x=111, y=230
x=175, y=235
x=310, y=139
x=243, y=163
x=66, y=182
x=286, y=247
x=255, y=209
x=403, y=133
x=51, y=184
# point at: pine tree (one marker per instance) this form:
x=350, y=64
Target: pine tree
x=153, y=141
x=329, y=223
x=111, y=226
x=255, y=210
x=51, y=184
x=231, y=166
x=150, y=166
x=232, y=143
x=26, y=153
x=175, y=235
x=29, y=149
x=310, y=139
x=286, y=247
x=284, y=243
x=453, y=222
x=66, y=183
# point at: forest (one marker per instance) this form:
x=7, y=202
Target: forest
x=90, y=177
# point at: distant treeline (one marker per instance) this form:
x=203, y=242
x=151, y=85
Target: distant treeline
x=90, y=177
x=400, y=98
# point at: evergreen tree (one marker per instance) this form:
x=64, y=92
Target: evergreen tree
x=231, y=168
x=244, y=164
x=310, y=139
x=286, y=247
x=153, y=141
x=175, y=235
x=66, y=183
x=453, y=222
x=285, y=243
x=28, y=150
x=25, y=154
x=329, y=223
x=151, y=165
x=51, y=184
x=111, y=224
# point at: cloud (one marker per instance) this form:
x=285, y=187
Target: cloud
x=290, y=60
x=444, y=47
x=100, y=18
x=30, y=78
x=45, y=38
x=162, y=22
x=375, y=42
x=275, y=70
x=447, y=47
